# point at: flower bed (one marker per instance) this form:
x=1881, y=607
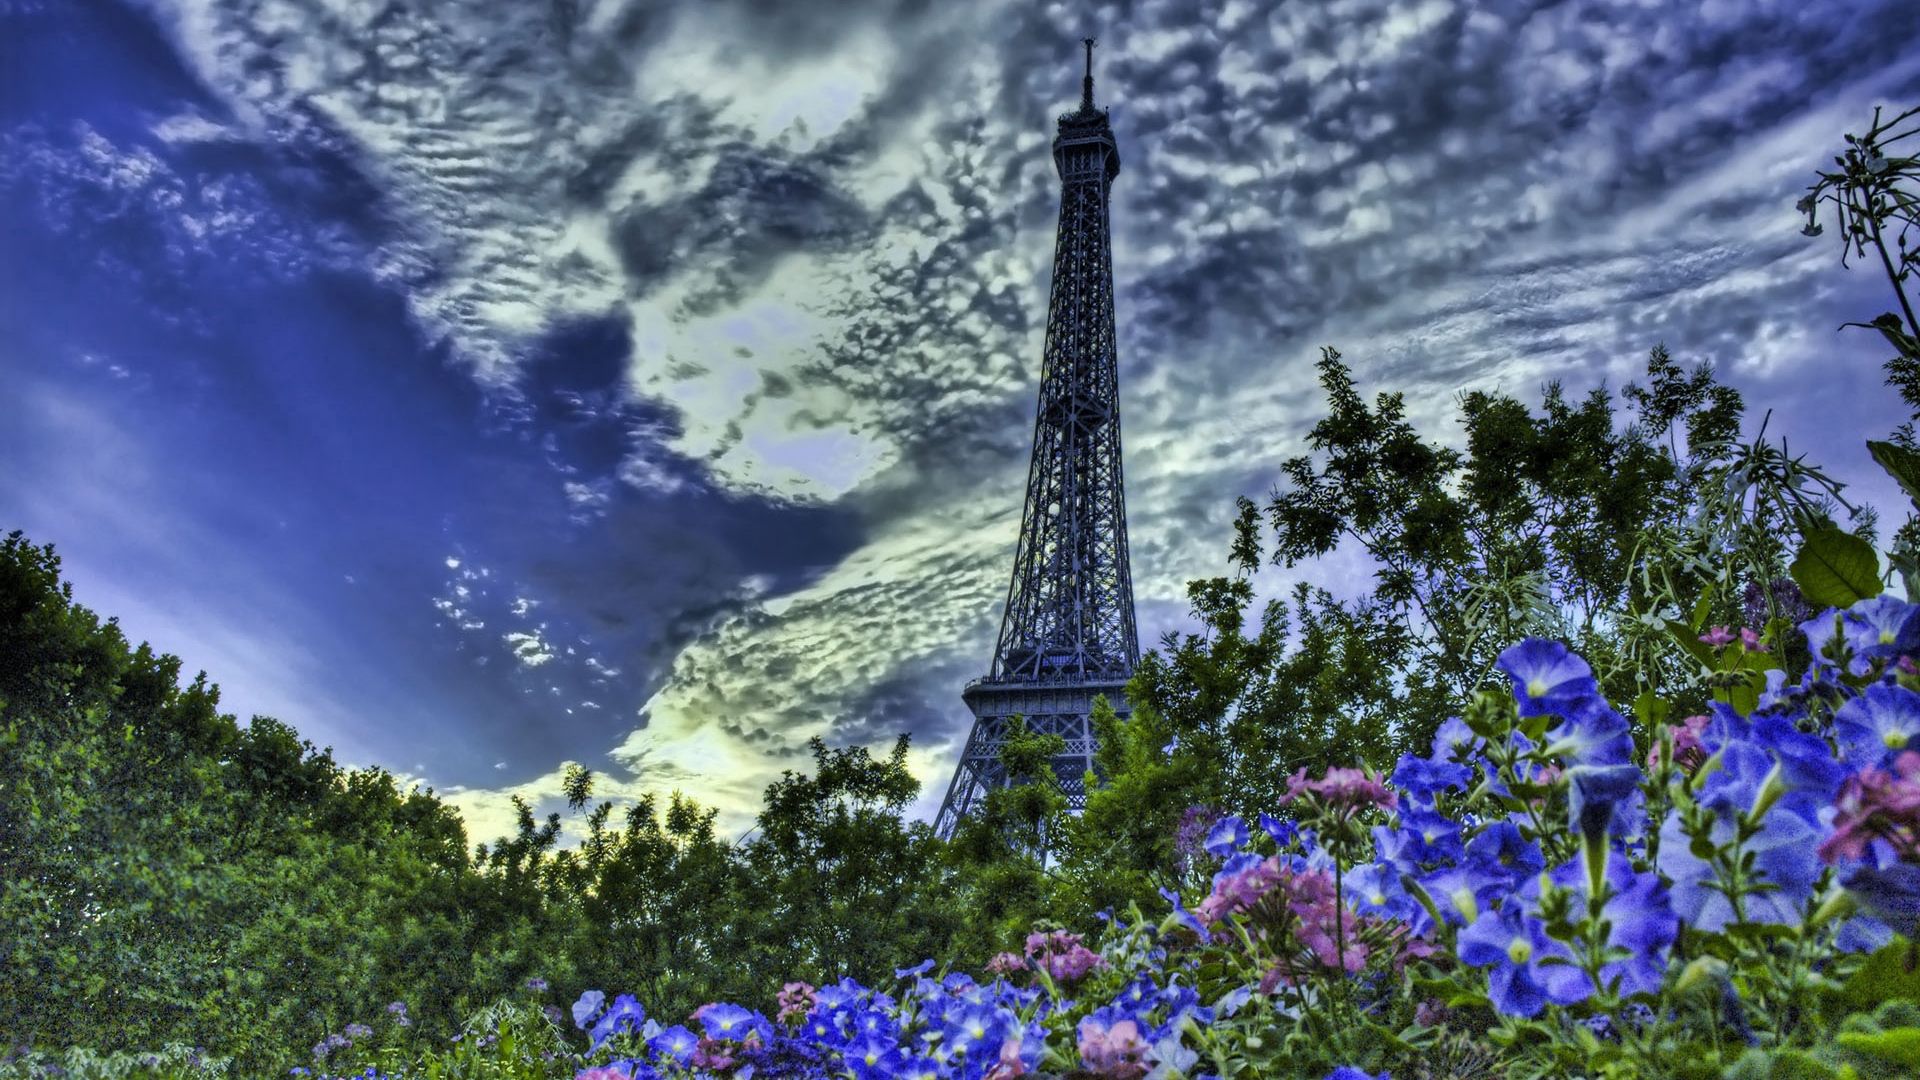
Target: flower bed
x=1537, y=896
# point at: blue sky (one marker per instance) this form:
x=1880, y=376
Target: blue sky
x=485, y=386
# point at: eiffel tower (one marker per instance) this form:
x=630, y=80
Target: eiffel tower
x=1067, y=635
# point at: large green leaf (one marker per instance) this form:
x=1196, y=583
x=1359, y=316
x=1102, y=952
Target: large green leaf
x=1900, y=1046
x=1901, y=463
x=1835, y=568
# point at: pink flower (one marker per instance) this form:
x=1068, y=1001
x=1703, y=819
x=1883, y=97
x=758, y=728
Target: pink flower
x=1751, y=641
x=1239, y=891
x=1061, y=956
x=1006, y=963
x=1878, y=805
x=1688, y=751
x=795, y=1001
x=1718, y=637
x=1344, y=788
x=601, y=1072
x=1011, y=1064
x=1117, y=1052
x=712, y=1054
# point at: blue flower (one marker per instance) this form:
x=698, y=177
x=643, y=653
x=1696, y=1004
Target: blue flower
x=626, y=1013
x=1640, y=920
x=1227, y=836
x=1422, y=778
x=1514, y=944
x=1374, y=889
x=915, y=971
x=1283, y=832
x=725, y=1020
x=1591, y=734
x=1882, y=628
x=1881, y=721
x=873, y=1057
x=586, y=1008
x=1593, y=794
x=1503, y=855
x=1348, y=1072
x=1783, y=856
x=1547, y=677
x=1806, y=761
x=1891, y=894
x=675, y=1042
x=1454, y=740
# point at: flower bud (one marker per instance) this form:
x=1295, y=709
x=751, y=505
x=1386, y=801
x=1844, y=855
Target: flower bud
x=1702, y=969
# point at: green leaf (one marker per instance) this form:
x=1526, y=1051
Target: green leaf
x=1835, y=568
x=1884, y=977
x=1900, y=1045
x=1901, y=463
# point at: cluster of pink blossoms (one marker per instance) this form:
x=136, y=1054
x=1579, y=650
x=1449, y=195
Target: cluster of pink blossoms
x=795, y=1001
x=1688, y=751
x=1006, y=963
x=1061, y=956
x=1875, y=804
x=1116, y=1052
x=1720, y=637
x=1307, y=895
x=1345, y=789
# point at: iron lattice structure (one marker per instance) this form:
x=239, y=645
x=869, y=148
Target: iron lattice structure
x=1067, y=635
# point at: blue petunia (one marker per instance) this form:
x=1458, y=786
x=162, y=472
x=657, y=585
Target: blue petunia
x=625, y=1013
x=1501, y=854
x=1883, y=720
x=1639, y=916
x=1227, y=836
x=1592, y=733
x=1282, y=831
x=1547, y=677
x=588, y=1007
x=1514, y=944
x=675, y=1042
x=1594, y=793
x=1782, y=852
x=1423, y=778
x=1882, y=628
x=725, y=1020
x=1375, y=889
x=1891, y=894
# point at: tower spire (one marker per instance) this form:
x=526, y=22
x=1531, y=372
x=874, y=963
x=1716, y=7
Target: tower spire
x=1086, y=84
x=1067, y=635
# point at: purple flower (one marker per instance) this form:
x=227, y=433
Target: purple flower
x=1547, y=677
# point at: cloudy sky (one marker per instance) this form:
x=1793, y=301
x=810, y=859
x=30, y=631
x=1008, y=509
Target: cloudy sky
x=484, y=385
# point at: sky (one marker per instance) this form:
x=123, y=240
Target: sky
x=483, y=386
